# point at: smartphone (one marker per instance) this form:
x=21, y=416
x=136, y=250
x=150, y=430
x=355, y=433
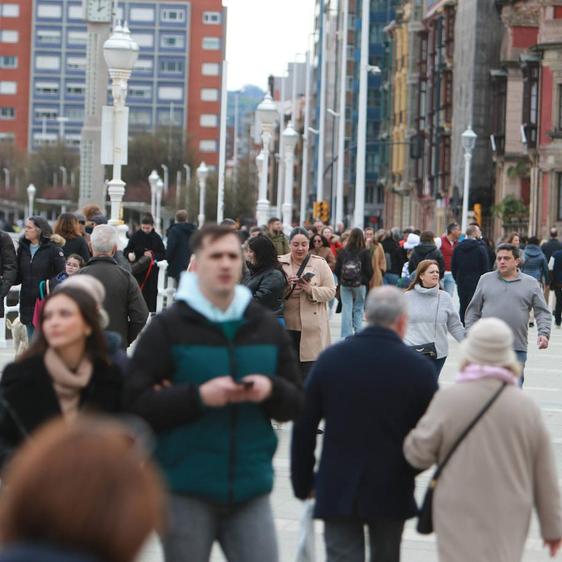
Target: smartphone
x=308, y=276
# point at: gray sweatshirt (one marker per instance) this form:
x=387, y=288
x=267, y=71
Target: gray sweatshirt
x=422, y=316
x=511, y=301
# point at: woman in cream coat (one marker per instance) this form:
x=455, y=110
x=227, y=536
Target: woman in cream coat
x=306, y=314
x=501, y=470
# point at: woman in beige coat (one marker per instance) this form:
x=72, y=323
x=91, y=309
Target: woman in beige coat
x=378, y=262
x=501, y=470
x=306, y=314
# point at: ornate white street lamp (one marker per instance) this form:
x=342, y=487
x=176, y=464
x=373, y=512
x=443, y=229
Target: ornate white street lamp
x=468, y=143
x=291, y=138
x=152, y=179
x=202, y=174
x=267, y=117
x=31, y=191
x=120, y=52
x=159, y=189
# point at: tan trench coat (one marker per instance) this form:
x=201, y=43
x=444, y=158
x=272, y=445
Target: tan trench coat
x=505, y=467
x=315, y=335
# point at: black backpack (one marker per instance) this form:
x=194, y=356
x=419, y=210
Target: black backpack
x=351, y=271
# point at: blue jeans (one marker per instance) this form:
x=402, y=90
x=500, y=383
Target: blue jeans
x=449, y=283
x=391, y=279
x=522, y=358
x=353, y=308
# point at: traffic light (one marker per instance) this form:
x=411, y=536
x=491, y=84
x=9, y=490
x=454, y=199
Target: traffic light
x=316, y=209
x=477, y=210
x=324, y=211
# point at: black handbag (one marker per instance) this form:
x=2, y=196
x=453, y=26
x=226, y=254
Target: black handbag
x=425, y=514
x=429, y=349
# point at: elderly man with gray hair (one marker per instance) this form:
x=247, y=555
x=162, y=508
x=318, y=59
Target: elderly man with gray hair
x=123, y=302
x=371, y=390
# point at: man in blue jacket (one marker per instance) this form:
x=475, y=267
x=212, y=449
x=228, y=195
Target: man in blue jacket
x=208, y=375
x=371, y=390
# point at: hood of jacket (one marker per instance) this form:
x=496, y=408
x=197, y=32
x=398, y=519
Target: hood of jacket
x=533, y=251
x=468, y=245
x=190, y=293
x=425, y=249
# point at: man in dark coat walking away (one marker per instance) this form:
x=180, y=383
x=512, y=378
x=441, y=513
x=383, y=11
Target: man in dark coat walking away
x=178, y=251
x=427, y=250
x=124, y=302
x=469, y=263
x=8, y=267
x=363, y=478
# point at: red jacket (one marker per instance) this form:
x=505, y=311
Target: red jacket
x=447, y=250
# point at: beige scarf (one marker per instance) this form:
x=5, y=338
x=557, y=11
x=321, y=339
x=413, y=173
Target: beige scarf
x=68, y=384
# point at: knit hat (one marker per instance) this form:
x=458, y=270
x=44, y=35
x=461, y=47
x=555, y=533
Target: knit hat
x=490, y=343
x=94, y=288
x=412, y=241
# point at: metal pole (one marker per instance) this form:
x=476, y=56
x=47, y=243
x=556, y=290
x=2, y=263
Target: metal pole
x=166, y=177
x=304, y=179
x=222, y=146
x=6, y=178
x=322, y=117
x=187, y=184
x=202, y=186
x=465, y=193
x=262, y=213
x=64, y=175
x=359, y=216
x=280, y=165
x=341, y=123
x=178, y=189
x=236, y=127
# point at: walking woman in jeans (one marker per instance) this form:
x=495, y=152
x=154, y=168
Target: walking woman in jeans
x=354, y=271
x=431, y=314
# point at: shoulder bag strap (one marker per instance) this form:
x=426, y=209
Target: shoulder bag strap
x=464, y=434
x=299, y=273
x=436, y=316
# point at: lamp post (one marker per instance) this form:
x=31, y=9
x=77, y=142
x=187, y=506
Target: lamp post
x=187, y=183
x=120, y=52
x=152, y=179
x=64, y=175
x=202, y=174
x=259, y=166
x=31, y=191
x=159, y=188
x=267, y=116
x=6, y=178
x=166, y=177
x=291, y=137
x=468, y=142
x=304, y=177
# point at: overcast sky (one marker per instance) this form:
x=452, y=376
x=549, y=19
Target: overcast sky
x=263, y=36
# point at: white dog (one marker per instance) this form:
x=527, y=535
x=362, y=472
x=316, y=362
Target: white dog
x=19, y=335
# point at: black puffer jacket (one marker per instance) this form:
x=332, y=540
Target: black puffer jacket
x=178, y=251
x=268, y=288
x=427, y=252
x=8, y=267
x=78, y=246
x=47, y=263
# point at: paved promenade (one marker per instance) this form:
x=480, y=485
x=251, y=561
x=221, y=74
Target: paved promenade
x=543, y=383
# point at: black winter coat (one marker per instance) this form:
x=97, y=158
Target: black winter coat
x=77, y=246
x=178, y=251
x=268, y=288
x=28, y=398
x=123, y=302
x=47, y=263
x=8, y=267
x=396, y=254
x=427, y=252
x=363, y=473
x=139, y=243
x=549, y=248
x=469, y=263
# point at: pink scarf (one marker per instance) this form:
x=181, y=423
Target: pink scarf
x=474, y=372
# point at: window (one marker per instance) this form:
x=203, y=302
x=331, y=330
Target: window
x=209, y=94
x=9, y=10
x=8, y=62
x=211, y=43
x=47, y=138
x=74, y=113
x=208, y=146
x=72, y=140
x=171, y=15
x=7, y=137
x=47, y=88
x=48, y=36
x=46, y=113
x=51, y=11
x=531, y=74
x=76, y=63
x=47, y=63
x=170, y=93
x=164, y=117
x=8, y=87
x=171, y=66
x=209, y=120
x=136, y=91
x=75, y=88
x=168, y=41
x=77, y=37
x=140, y=117
x=7, y=113
x=144, y=39
x=212, y=18
x=142, y=14
x=210, y=69
x=9, y=36
x=144, y=65
x=75, y=13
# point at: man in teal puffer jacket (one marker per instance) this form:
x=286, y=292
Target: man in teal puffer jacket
x=208, y=374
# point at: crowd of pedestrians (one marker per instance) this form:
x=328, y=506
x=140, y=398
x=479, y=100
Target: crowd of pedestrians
x=245, y=347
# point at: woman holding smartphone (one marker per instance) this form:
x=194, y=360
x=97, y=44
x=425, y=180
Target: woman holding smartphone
x=311, y=287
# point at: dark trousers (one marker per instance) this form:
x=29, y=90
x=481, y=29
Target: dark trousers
x=305, y=366
x=558, y=307
x=439, y=365
x=345, y=540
